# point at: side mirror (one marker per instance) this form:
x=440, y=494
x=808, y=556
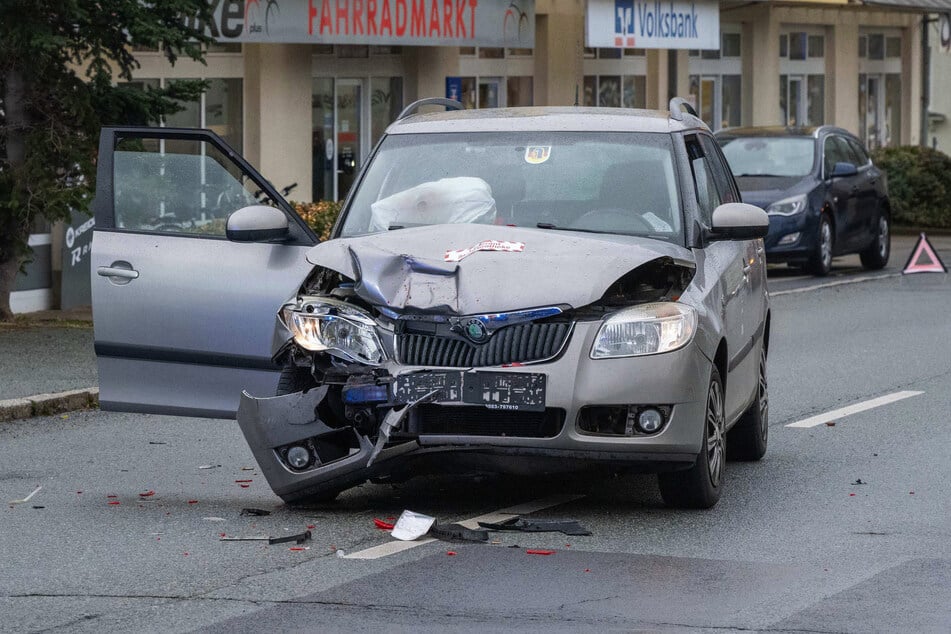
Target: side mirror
x=843, y=169
x=739, y=221
x=257, y=223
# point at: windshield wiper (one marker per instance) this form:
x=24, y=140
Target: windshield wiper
x=548, y=225
x=766, y=175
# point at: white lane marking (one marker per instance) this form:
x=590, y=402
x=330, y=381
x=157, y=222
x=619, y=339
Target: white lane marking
x=853, y=280
x=842, y=412
x=396, y=546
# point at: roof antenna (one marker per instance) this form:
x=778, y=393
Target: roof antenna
x=576, y=94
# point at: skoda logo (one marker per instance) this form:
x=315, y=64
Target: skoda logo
x=475, y=330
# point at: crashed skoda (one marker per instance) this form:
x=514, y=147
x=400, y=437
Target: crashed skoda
x=525, y=290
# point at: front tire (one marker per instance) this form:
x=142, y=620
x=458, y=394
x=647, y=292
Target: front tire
x=820, y=264
x=876, y=256
x=747, y=439
x=699, y=486
x=295, y=379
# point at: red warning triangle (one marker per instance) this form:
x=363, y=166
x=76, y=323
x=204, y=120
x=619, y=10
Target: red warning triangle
x=924, y=259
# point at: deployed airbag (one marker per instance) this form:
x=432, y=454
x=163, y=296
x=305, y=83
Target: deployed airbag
x=463, y=199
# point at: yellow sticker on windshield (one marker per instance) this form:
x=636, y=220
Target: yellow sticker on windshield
x=537, y=154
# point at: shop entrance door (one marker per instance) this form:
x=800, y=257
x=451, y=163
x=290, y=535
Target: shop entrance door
x=349, y=109
x=796, y=113
x=491, y=94
x=338, y=131
x=873, y=108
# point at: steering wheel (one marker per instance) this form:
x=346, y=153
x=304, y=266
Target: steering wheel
x=612, y=219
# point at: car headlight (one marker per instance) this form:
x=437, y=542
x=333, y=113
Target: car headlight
x=323, y=324
x=645, y=329
x=788, y=206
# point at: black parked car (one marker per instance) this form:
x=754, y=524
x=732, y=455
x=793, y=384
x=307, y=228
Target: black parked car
x=823, y=194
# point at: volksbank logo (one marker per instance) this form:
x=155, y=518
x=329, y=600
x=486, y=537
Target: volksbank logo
x=634, y=19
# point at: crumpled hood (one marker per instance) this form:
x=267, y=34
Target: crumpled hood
x=412, y=269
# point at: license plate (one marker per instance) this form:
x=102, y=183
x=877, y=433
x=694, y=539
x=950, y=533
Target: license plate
x=515, y=391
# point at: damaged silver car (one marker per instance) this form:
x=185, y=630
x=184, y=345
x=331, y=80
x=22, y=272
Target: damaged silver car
x=518, y=290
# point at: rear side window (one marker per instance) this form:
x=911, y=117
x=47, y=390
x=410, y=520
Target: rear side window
x=859, y=152
x=721, y=170
x=835, y=151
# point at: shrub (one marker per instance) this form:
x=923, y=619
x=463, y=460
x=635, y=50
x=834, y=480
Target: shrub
x=320, y=215
x=919, y=185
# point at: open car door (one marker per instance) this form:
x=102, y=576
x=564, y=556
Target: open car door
x=184, y=317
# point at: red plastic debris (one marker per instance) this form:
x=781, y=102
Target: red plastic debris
x=831, y=423
x=114, y=502
x=451, y=553
x=539, y=552
x=311, y=526
x=243, y=481
x=587, y=569
x=222, y=534
x=245, y=486
x=297, y=548
x=112, y=496
x=391, y=518
x=567, y=545
x=193, y=501
x=382, y=525
x=147, y=494
x=186, y=553
x=851, y=495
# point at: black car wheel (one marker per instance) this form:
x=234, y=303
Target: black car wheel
x=699, y=486
x=821, y=261
x=294, y=379
x=747, y=439
x=876, y=256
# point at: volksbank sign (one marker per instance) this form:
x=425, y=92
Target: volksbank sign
x=653, y=24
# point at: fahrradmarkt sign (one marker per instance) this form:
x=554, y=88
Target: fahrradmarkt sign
x=378, y=22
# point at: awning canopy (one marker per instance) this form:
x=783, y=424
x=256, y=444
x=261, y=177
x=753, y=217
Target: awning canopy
x=927, y=6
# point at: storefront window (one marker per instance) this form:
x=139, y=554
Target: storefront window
x=880, y=88
x=876, y=46
x=817, y=46
x=797, y=46
x=731, y=45
x=609, y=91
x=469, y=93
x=893, y=109
x=892, y=47
x=224, y=112
x=322, y=102
x=815, y=111
x=635, y=91
x=732, y=94
x=491, y=53
x=386, y=102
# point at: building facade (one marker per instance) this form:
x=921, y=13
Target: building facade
x=305, y=95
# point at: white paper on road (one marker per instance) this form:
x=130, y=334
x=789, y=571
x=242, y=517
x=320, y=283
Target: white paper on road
x=411, y=526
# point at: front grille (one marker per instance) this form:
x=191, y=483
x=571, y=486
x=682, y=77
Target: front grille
x=480, y=421
x=514, y=344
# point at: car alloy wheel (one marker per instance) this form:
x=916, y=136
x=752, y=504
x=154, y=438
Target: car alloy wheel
x=763, y=396
x=716, y=437
x=825, y=245
x=883, y=241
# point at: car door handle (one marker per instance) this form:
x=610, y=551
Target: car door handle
x=114, y=271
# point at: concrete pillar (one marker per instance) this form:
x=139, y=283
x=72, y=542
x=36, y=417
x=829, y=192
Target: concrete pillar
x=761, y=75
x=657, y=79
x=911, y=83
x=842, y=73
x=559, y=54
x=277, y=114
x=683, y=73
x=429, y=67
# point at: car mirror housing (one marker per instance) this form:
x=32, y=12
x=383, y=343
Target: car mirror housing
x=257, y=223
x=842, y=169
x=739, y=221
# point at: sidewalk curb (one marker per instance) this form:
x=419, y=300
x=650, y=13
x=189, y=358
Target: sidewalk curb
x=46, y=404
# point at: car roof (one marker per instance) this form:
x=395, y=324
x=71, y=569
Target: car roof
x=546, y=119
x=778, y=131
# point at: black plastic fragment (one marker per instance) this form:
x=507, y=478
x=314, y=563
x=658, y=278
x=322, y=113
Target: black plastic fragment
x=254, y=512
x=568, y=527
x=299, y=538
x=458, y=533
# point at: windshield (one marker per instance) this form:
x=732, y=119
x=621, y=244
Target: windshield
x=769, y=156
x=622, y=183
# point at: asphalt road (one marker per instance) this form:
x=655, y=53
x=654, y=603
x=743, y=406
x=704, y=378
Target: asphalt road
x=793, y=545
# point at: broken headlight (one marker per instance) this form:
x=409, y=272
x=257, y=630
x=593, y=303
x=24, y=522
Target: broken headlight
x=645, y=329
x=342, y=329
